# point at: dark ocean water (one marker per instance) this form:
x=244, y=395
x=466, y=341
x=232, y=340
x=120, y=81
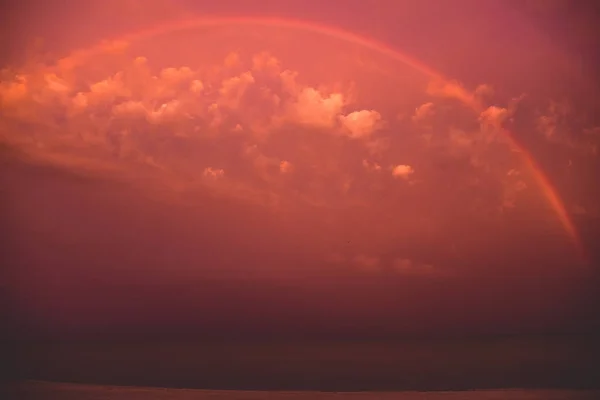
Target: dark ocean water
x=33, y=390
x=560, y=362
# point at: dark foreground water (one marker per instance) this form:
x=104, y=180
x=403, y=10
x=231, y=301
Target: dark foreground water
x=565, y=362
x=66, y=391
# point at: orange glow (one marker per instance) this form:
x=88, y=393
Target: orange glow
x=80, y=58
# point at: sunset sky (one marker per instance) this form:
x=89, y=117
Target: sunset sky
x=347, y=168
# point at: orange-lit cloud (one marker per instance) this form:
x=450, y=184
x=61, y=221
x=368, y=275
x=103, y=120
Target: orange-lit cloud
x=371, y=166
x=314, y=109
x=452, y=90
x=361, y=123
x=123, y=117
x=423, y=111
x=250, y=127
x=213, y=173
x=402, y=171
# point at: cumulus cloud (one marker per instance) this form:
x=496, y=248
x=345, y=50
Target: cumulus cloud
x=552, y=120
x=251, y=128
x=474, y=100
x=14, y=90
x=423, y=112
x=178, y=119
x=267, y=167
x=182, y=93
x=264, y=61
x=402, y=171
x=232, y=89
x=361, y=123
x=213, y=173
x=285, y=167
x=452, y=90
x=493, y=117
x=108, y=90
x=197, y=86
x=482, y=145
x=316, y=109
x=560, y=123
x=492, y=120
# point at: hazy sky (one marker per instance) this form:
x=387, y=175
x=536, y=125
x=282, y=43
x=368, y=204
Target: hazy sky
x=369, y=168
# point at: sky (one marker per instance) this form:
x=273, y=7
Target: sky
x=180, y=169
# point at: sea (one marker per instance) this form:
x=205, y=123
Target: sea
x=513, y=367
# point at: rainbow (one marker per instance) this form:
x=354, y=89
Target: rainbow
x=80, y=57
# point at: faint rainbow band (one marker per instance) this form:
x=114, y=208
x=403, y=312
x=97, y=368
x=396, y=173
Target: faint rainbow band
x=80, y=57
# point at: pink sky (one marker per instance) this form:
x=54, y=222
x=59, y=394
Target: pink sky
x=319, y=181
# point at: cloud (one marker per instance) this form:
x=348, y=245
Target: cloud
x=452, y=90
x=233, y=89
x=213, y=173
x=56, y=84
x=402, y=171
x=492, y=120
x=285, y=167
x=361, y=123
x=423, y=112
x=371, y=166
x=197, y=86
x=460, y=138
x=550, y=122
x=561, y=123
x=108, y=90
x=378, y=146
x=512, y=187
x=484, y=91
x=232, y=60
x=472, y=99
x=171, y=77
x=477, y=132
x=268, y=168
x=264, y=61
x=314, y=109
x=14, y=93
x=319, y=153
x=493, y=117
x=128, y=108
x=312, y=142
x=138, y=116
